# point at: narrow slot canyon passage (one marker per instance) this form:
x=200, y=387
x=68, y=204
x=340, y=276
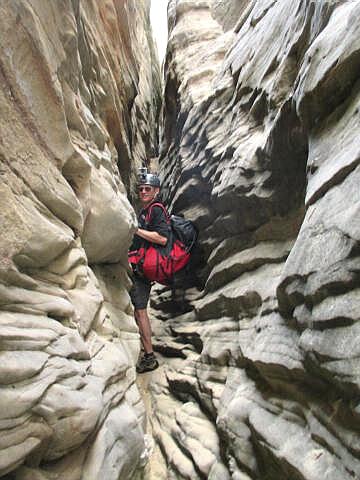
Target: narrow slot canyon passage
x=252, y=122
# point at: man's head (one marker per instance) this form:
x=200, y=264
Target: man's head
x=149, y=187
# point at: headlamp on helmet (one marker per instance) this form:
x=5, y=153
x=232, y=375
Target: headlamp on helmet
x=146, y=178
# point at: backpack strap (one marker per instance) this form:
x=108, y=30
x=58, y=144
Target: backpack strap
x=150, y=209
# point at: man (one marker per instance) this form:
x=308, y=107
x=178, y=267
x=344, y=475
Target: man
x=155, y=230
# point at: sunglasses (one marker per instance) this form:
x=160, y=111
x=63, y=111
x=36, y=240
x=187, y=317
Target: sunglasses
x=145, y=189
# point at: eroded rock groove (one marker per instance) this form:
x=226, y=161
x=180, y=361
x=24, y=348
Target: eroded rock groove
x=260, y=378
x=79, y=99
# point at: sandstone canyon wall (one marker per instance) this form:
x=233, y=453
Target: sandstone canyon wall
x=260, y=147
x=79, y=93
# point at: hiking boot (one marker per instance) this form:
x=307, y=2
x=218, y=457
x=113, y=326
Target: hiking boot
x=147, y=363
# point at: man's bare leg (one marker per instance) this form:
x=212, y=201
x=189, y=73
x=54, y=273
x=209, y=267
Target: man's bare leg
x=142, y=319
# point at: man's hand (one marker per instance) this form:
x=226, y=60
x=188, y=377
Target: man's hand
x=153, y=237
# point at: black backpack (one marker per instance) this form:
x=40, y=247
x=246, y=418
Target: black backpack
x=184, y=230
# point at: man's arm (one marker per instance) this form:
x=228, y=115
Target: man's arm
x=153, y=237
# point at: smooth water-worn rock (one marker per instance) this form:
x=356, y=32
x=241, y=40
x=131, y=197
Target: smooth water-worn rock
x=78, y=100
x=260, y=148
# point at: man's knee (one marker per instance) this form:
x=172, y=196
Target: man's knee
x=140, y=313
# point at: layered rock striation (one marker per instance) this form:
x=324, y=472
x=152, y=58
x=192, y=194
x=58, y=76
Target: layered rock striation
x=78, y=100
x=260, y=147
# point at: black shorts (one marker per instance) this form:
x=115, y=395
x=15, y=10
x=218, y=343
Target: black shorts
x=140, y=292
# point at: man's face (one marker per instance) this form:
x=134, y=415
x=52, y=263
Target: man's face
x=147, y=193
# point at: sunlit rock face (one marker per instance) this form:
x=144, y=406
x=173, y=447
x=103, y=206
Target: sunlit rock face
x=260, y=147
x=78, y=100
